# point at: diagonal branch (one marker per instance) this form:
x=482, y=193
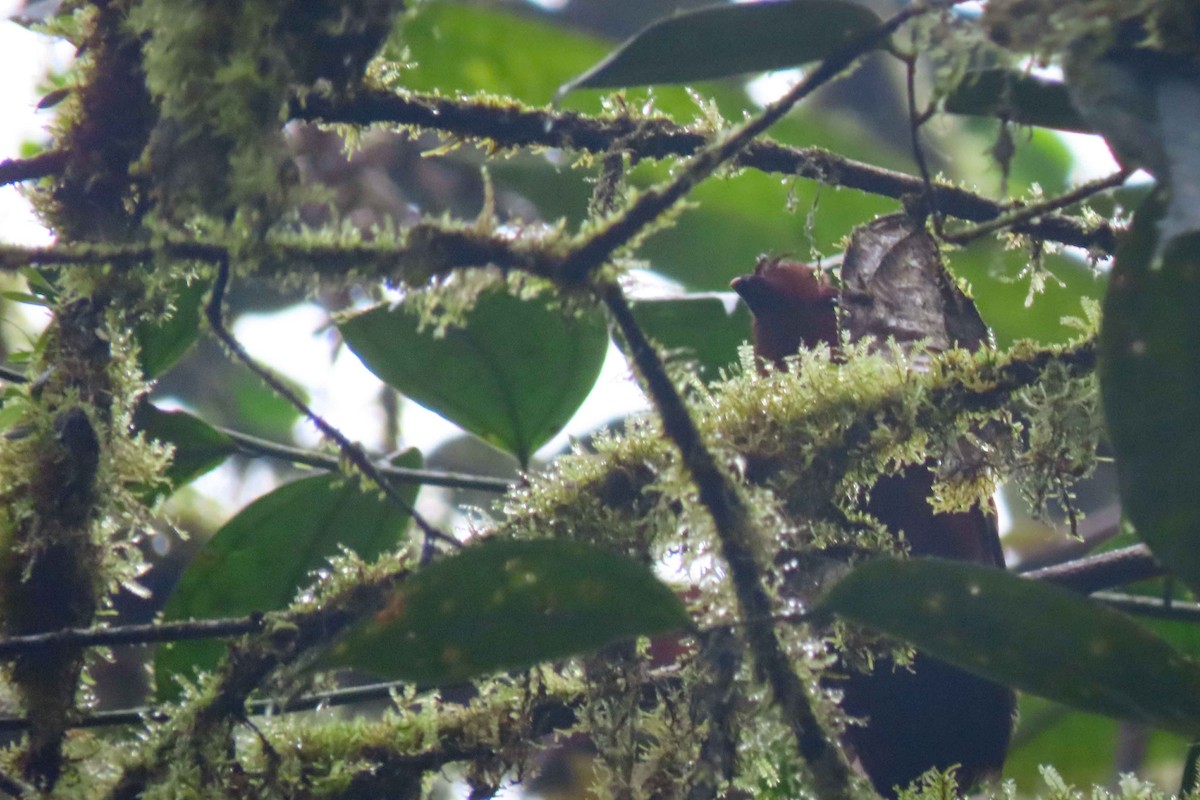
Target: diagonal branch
x=833, y=777
x=353, y=453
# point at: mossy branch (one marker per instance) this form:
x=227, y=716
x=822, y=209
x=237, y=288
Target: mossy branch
x=512, y=125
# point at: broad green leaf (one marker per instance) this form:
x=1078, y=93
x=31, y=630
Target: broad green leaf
x=513, y=375
x=697, y=328
x=1016, y=96
x=1038, y=638
x=460, y=48
x=163, y=341
x=1150, y=384
x=198, y=446
x=508, y=604
x=259, y=559
x=729, y=39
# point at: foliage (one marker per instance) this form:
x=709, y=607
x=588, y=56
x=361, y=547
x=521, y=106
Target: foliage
x=659, y=595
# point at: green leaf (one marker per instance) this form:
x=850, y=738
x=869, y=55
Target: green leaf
x=1038, y=638
x=259, y=559
x=199, y=446
x=1016, y=96
x=257, y=408
x=696, y=327
x=513, y=375
x=729, y=39
x=508, y=604
x=1150, y=383
x=458, y=48
x=163, y=341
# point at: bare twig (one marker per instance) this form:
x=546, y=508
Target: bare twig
x=915, y=121
x=252, y=445
x=12, y=646
x=1154, y=607
x=352, y=452
x=1104, y=571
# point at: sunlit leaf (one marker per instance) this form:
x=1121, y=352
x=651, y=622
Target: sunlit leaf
x=1029, y=635
x=508, y=604
x=513, y=375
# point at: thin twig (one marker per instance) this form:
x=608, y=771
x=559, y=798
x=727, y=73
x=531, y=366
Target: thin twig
x=1103, y=571
x=821, y=751
x=352, y=452
x=13, y=646
x=1153, y=607
x=915, y=121
x=1024, y=214
x=252, y=445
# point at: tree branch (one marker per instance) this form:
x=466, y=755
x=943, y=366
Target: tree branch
x=15, y=170
x=824, y=756
x=254, y=446
x=1103, y=571
x=13, y=646
x=350, y=450
x=1153, y=607
x=518, y=126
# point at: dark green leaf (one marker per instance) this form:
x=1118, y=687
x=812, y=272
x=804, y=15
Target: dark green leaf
x=513, y=375
x=508, y=604
x=265, y=554
x=163, y=340
x=697, y=328
x=1150, y=382
x=1016, y=96
x=1038, y=638
x=199, y=446
x=729, y=39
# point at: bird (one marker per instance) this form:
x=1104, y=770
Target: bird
x=933, y=715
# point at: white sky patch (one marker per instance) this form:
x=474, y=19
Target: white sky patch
x=27, y=58
x=770, y=86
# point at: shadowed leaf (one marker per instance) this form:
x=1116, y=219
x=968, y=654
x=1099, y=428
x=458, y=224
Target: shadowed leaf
x=1038, y=638
x=508, y=604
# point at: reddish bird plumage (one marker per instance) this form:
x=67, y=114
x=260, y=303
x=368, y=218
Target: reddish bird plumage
x=935, y=715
